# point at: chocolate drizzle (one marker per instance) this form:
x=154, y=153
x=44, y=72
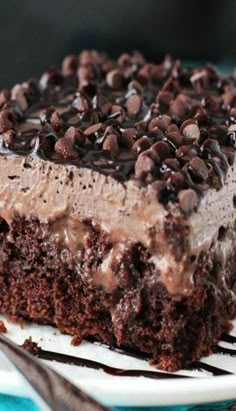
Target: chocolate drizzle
x=84, y=362
x=218, y=349
x=228, y=338
x=202, y=366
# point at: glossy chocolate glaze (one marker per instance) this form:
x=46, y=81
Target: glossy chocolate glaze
x=188, y=112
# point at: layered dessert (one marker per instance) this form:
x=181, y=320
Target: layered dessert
x=118, y=204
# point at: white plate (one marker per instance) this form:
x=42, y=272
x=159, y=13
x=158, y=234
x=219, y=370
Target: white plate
x=115, y=390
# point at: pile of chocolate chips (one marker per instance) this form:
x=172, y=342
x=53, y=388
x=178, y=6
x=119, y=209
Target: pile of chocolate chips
x=160, y=124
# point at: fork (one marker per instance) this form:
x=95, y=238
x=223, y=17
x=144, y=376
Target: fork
x=53, y=392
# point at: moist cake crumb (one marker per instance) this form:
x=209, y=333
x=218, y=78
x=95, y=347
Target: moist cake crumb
x=76, y=340
x=3, y=328
x=31, y=346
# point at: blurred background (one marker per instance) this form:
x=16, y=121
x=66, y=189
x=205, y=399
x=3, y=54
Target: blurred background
x=37, y=33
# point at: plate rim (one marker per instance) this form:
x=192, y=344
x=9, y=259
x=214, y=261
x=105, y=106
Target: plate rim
x=141, y=391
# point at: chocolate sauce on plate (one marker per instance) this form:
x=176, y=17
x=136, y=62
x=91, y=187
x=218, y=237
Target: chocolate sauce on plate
x=84, y=362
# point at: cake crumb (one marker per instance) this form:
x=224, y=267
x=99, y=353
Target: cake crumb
x=31, y=346
x=3, y=328
x=76, y=340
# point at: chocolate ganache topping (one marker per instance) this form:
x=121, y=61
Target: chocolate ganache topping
x=158, y=124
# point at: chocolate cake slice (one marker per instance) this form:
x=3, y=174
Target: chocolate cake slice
x=118, y=204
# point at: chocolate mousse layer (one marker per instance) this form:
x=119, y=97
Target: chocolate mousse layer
x=118, y=203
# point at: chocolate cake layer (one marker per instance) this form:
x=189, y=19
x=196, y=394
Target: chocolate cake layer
x=118, y=203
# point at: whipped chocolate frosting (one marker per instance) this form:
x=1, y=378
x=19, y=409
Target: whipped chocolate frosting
x=63, y=197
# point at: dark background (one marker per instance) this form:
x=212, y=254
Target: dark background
x=36, y=33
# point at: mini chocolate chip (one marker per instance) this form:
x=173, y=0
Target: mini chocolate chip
x=157, y=72
x=172, y=163
x=141, y=144
x=143, y=75
x=44, y=140
x=176, y=69
x=172, y=128
x=56, y=121
x=179, y=107
x=199, y=168
x=18, y=93
x=162, y=122
x=218, y=132
x=107, y=65
x=185, y=153
x=92, y=130
x=69, y=65
x=87, y=87
x=111, y=144
x=65, y=148
x=153, y=124
x=232, y=135
x=102, y=103
x=93, y=117
x=176, y=181
x=145, y=167
x=164, y=98
x=117, y=112
x=174, y=138
x=85, y=73
x=211, y=147
x=7, y=120
x=111, y=129
x=233, y=113
x=190, y=130
x=124, y=60
x=89, y=57
x=229, y=98
x=171, y=85
x=202, y=117
x=137, y=58
x=188, y=200
x=114, y=79
x=156, y=134
x=52, y=78
x=51, y=116
x=135, y=85
x=141, y=126
x=33, y=92
x=232, y=127
x=75, y=135
x=199, y=80
x=134, y=104
x=210, y=104
x=106, y=108
x=4, y=97
x=81, y=103
x=46, y=114
x=8, y=138
x=162, y=149
x=128, y=137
